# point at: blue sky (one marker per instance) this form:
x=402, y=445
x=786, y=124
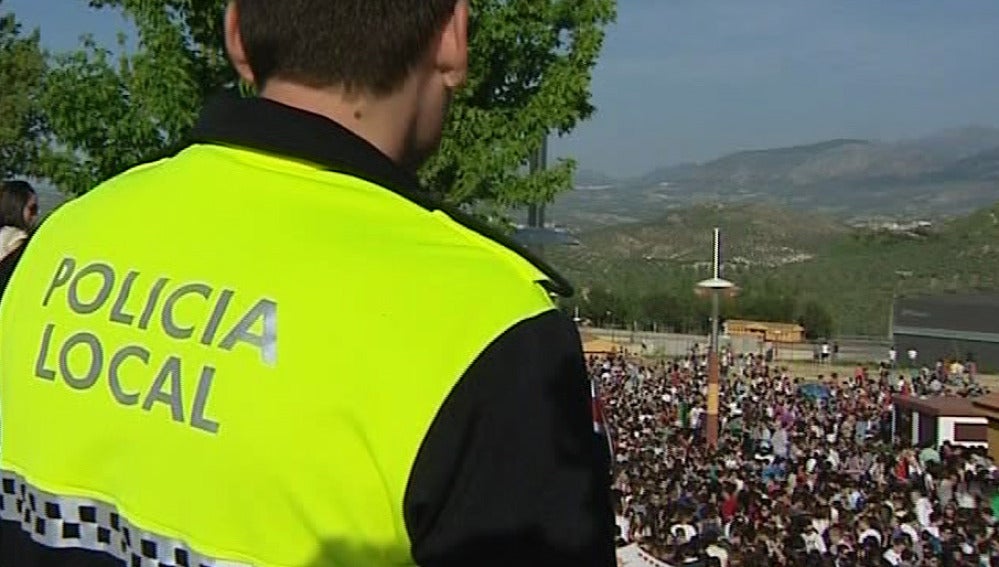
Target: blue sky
x=684, y=80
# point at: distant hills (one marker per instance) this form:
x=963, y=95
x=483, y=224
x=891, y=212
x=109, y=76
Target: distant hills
x=949, y=173
x=853, y=272
x=754, y=235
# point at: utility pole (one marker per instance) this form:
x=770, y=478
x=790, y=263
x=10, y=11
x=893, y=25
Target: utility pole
x=715, y=287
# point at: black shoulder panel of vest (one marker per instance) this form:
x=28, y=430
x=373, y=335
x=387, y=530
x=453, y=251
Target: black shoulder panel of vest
x=7, y=266
x=511, y=471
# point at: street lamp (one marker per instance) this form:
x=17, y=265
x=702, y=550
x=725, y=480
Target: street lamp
x=715, y=287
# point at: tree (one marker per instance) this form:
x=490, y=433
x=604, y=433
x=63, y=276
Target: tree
x=767, y=300
x=816, y=320
x=110, y=112
x=604, y=307
x=668, y=311
x=530, y=75
x=22, y=68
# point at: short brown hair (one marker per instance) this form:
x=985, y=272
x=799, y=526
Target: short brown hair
x=360, y=45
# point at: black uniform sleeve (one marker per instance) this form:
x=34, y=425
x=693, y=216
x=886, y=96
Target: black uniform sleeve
x=7, y=266
x=511, y=471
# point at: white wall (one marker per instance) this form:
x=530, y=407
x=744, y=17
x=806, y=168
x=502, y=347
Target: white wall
x=945, y=431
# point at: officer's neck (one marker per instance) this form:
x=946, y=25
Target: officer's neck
x=384, y=122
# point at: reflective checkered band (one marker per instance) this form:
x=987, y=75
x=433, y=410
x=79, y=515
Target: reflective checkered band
x=67, y=522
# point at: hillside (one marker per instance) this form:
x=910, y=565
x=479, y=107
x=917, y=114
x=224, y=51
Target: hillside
x=949, y=173
x=755, y=236
x=853, y=273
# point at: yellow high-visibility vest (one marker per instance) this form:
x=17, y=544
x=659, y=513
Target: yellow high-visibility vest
x=232, y=356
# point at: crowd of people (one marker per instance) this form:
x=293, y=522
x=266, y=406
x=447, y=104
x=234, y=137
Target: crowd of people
x=803, y=473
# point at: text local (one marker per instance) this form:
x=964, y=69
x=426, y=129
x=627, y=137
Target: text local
x=257, y=328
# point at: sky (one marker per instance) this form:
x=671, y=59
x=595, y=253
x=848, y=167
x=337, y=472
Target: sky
x=691, y=80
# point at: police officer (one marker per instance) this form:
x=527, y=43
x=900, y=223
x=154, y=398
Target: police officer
x=274, y=349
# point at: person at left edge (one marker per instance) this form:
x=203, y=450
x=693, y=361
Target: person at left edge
x=18, y=217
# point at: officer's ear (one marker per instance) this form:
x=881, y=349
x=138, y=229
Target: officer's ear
x=452, y=50
x=234, y=44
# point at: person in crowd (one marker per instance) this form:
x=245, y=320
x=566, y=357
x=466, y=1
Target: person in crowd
x=18, y=217
x=802, y=480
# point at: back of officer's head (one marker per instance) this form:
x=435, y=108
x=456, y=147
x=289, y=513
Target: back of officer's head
x=362, y=49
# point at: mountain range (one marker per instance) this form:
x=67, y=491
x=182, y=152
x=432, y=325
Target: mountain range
x=942, y=175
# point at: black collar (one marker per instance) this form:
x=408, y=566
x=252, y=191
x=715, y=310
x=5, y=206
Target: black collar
x=271, y=127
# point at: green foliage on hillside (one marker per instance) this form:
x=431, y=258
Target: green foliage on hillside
x=790, y=267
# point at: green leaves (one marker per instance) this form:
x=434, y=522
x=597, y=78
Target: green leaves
x=817, y=321
x=111, y=111
x=530, y=76
x=22, y=66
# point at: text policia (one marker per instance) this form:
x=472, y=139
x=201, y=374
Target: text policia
x=256, y=328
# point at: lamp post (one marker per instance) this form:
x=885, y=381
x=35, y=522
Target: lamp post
x=715, y=286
